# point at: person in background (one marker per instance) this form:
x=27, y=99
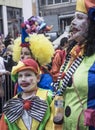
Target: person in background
x=8, y=57
x=29, y=109
x=58, y=58
x=3, y=73
x=78, y=84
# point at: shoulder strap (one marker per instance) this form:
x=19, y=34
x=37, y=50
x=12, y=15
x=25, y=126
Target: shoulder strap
x=69, y=74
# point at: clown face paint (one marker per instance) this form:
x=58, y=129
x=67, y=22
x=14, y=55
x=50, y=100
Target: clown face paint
x=79, y=27
x=25, y=53
x=27, y=80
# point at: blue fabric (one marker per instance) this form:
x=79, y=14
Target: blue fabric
x=91, y=90
x=91, y=87
x=19, y=89
x=45, y=81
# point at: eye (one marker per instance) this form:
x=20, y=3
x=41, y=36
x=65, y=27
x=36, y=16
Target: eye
x=19, y=75
x=27, y=53
x=28, y=75
x=80, y=16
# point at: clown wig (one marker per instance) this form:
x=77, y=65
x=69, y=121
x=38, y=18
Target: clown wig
x=40, y=47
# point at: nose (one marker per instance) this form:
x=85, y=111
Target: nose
x=23, y=78
x=73, y=22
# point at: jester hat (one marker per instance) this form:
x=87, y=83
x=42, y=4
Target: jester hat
x=24, y=65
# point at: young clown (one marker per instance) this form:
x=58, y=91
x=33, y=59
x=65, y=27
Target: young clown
x=30, y=109
x=37, y=47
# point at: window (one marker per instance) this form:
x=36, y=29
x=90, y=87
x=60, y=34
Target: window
x=14, y=20
x=73, y=0
x=50, y=2
x=42, y=2
x=65, y=0
x=57, y=1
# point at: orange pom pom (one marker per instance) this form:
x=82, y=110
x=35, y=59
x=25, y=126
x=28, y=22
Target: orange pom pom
x=27, y=104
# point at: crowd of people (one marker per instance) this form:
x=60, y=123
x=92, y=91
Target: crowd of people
x=53, y=89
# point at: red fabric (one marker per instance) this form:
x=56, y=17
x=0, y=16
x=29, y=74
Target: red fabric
x=89, y=4
x=57, y=61
x=3, y=125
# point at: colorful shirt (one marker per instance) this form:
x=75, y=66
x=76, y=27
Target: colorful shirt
x=84, y=81
x=32, y=123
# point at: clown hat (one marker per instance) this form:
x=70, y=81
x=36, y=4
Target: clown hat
x=84, y=5
x=24, y=36
x=24, y=65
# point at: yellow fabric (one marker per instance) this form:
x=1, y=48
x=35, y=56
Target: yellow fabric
x=77, y=51
x=41, y=94
x=80, y=6
x=15, y=68
x=22, y=126
x=50, y=124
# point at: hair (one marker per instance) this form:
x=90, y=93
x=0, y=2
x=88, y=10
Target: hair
x=90, y=41
x=40, y=47
x=63, y=41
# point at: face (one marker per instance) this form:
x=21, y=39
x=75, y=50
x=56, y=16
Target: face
x=79, y=27
x=28, y=80
x=25, y=53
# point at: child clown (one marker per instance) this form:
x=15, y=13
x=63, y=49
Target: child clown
x=30, y=109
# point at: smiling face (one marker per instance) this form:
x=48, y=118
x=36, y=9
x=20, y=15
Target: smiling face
x=79, y=27
x=27, y=80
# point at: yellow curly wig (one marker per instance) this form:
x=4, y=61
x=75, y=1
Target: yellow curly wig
x=41, y=48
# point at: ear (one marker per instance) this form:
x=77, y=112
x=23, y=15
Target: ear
x=38, y=78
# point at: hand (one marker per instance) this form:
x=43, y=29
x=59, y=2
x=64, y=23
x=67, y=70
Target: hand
x=7, y=72
x=4, y=73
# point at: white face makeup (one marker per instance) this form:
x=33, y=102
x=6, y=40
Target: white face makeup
x=79, y=27
x=27, y=80
x=25, y=53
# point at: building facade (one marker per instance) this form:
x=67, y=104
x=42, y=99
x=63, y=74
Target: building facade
x=57, y=12
x=12, y=13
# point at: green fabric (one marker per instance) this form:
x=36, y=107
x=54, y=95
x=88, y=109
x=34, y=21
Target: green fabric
x=47, y=114
x=80, y=78
x=13, y=126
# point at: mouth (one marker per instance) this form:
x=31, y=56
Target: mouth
x=74, y=30
x=24, y=84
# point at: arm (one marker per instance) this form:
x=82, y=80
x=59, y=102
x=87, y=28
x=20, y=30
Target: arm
x=56, y=64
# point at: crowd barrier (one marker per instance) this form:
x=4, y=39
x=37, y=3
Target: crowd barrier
x=8, y=87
